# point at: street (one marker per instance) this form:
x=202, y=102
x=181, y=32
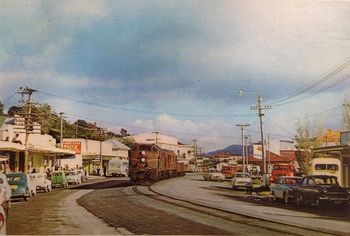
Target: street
x=124, y=212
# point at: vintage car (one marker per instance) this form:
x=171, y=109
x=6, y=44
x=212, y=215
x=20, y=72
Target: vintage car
x=73, y=177
x=283, y=188
x=82, y=175
x=22, y=185
x=215, y=176
x=242, y=180
x=3, y=215
x=320, y=189
x=41, y=181
x=5, y=193
x=59, y=179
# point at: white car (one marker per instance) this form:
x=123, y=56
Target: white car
x=216, y=176
x=3, y=215
x=73, y=177
x=242, y=180
x=5, y=194
x=41, y=181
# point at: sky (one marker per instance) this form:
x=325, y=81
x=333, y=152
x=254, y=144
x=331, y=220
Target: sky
x=177, y=67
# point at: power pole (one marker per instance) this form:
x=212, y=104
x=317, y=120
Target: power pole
x=243, y=147
x=260, y=107
x=195, y=153
x=246, y=149
x=156, y=141
x=28, y=121
x=61, y=130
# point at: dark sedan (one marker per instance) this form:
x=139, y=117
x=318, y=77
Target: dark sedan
x=319, y=189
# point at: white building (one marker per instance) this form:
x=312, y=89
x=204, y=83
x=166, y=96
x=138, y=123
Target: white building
x=89, y=152
x=184, y=152
x=43, y=152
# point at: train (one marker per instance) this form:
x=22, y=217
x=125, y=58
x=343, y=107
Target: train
x=150, y=163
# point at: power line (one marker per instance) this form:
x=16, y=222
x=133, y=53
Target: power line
x=315, y=83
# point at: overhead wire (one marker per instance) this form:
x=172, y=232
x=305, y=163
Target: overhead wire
x=315, y=83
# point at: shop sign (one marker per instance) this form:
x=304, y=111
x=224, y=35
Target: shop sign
x=74, y=146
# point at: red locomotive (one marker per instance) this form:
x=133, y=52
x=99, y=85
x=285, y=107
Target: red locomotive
x=150, y=163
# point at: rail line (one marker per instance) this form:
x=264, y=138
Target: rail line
x=253, y=221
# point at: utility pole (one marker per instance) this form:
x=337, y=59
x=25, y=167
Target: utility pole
x=28, y=121
x=156, y=133
x=101, y=134
x=76, y=129
x=61, y=130
x=243, y=147
x=195, y=153
x=260, y=107
x=246, y=149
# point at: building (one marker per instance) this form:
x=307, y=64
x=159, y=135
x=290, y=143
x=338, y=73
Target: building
x=42, y=150
x=89, y=153
x=184, y=152
x=340, y=149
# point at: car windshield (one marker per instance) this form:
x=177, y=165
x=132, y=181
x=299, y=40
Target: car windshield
x=14, y=178
x=71, y=173
x=292, y=181
x=57, y=174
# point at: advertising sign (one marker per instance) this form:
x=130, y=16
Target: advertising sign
x=74, y=146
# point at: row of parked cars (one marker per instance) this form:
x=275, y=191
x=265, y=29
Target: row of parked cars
x=316, y=190
x=312, y=189
x=26, y=185
x=22, y=185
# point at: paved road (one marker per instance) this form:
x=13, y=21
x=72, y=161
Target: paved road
x=124, y=212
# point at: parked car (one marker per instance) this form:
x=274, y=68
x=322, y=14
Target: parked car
x=242, y=180
x=5, y=193
x=283, y=188
x=82, y=175
x=3, y=215
x=73, y=177
x=320, y=189
x=41, y=181
x=22, y=185
x=216, y=176
x=59, y=179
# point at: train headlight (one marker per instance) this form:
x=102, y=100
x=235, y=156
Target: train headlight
x=143, y=159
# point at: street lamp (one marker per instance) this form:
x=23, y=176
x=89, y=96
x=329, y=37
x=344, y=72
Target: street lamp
x=243, y=147
x=259, y=107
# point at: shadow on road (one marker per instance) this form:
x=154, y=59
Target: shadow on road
x=104, y=184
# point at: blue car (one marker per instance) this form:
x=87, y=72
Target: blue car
x=283, y=187
x=21, y=185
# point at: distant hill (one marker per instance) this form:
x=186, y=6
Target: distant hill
x=234, y=150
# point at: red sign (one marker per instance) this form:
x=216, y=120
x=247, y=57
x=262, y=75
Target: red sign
x=74, y=146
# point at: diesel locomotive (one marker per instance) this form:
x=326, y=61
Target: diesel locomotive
x=150, y=163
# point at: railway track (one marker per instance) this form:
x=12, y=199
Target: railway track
x=233, y=217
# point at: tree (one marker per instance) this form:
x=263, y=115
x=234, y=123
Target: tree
x=14, y=110
x=1, y=108
x=305, y=142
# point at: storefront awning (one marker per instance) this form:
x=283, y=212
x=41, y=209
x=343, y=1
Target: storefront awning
x=50, y=150
x=10, y=146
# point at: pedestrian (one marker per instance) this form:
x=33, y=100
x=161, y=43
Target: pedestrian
x=105, y=170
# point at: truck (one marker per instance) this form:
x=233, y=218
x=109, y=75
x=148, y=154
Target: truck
x=118, y=167
x=282, y=170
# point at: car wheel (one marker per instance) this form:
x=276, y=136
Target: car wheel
x=285, y=198
x=25, y=198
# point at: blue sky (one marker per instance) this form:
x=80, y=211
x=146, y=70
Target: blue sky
x=177, y=66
